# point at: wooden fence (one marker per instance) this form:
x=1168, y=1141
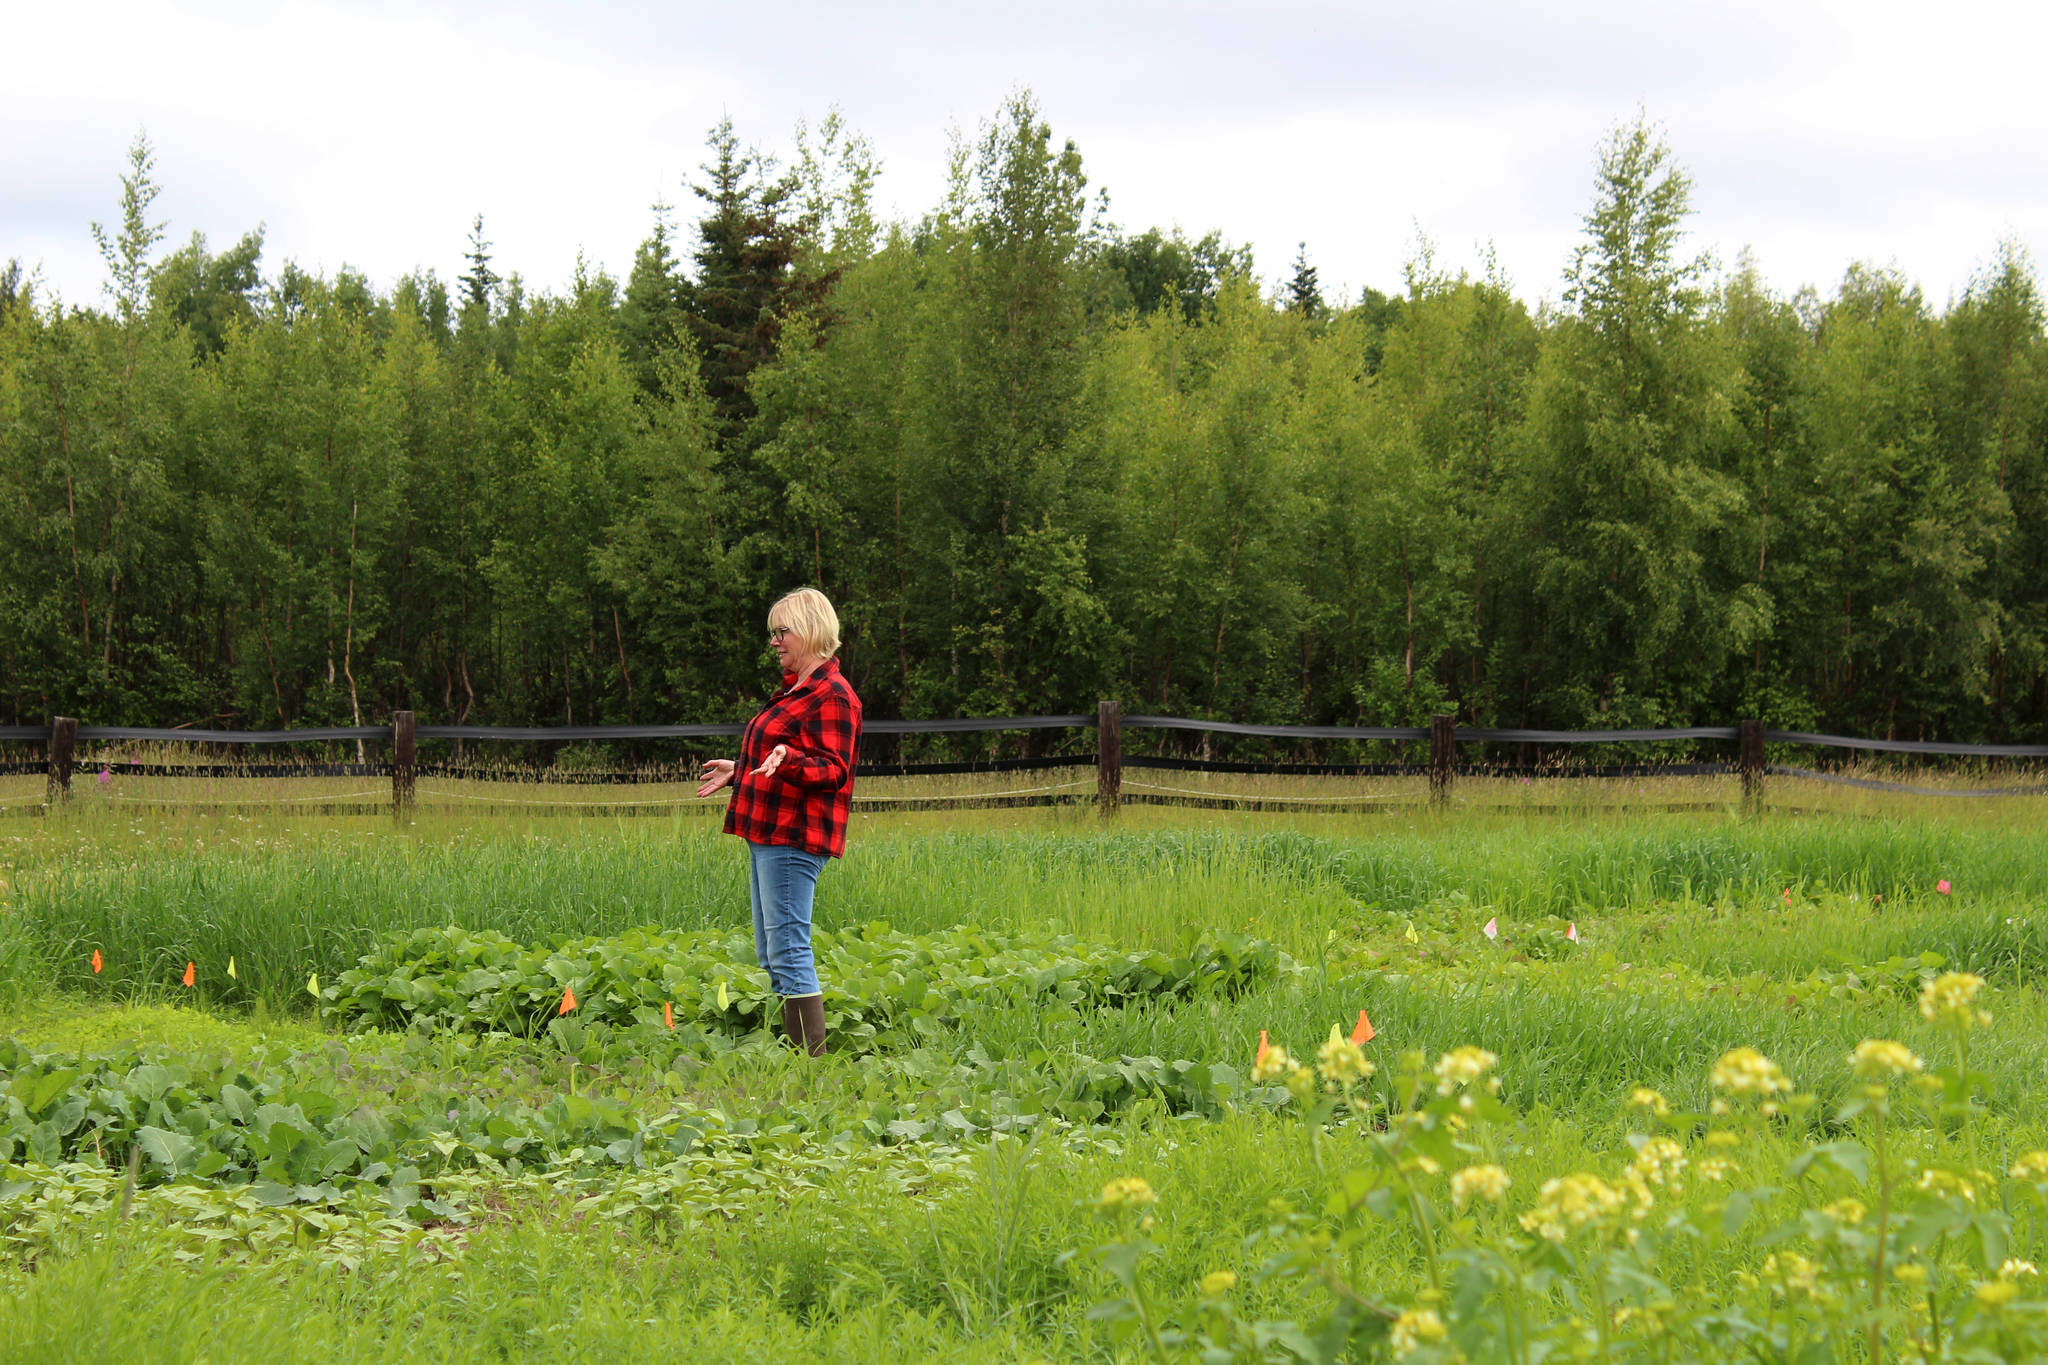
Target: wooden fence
x=1443, y=735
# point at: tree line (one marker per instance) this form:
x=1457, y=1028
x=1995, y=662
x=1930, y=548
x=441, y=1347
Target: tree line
x=1037, y=459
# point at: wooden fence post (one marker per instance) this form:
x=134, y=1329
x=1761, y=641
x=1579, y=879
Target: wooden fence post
x=404, y=748
x=1109, y=757
x=1443, y=754
x=1751, y=764
x=63, y=744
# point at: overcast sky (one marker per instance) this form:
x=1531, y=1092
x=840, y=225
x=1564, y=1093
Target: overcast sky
x=370, y=133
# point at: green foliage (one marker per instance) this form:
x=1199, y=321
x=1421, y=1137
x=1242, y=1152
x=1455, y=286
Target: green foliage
x=1036, y=459
x=880, y=980
x=1049, y=1147
x=208, y=294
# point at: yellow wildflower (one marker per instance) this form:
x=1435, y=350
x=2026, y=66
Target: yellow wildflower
x=1951, y=998
x=1645, y=1098
x=1721, y=1137
x=2032, y=1166
x=1126, y=1191
x=1416, y=1327
x=1945, y=1184
x=2014, y=1268
x=1479, y=1182
x=1569, y=1202
x=1879, y=1060
x=1660, y=1161
x=1847, y=1212
x=1745, y=1071
x=1462, y=1066
x=1911, y=1274
x=1997, y=1293
x=1273, y=1064
x=1716, y=1168
x=1637, y=1189
x=1790, y=1274
x=1341, y=1062
x=1217, y=1283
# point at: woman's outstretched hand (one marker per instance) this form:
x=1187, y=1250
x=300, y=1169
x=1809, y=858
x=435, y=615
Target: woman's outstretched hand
x=772, y=762
x=717, y=772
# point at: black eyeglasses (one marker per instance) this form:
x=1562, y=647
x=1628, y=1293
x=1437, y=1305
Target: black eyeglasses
x=775, y=633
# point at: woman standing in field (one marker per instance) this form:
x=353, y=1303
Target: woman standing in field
x=792, y=790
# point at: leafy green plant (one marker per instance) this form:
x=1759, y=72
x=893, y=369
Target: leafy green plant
x=876, y=979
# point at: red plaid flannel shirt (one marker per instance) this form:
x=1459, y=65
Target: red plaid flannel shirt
x=805, y=802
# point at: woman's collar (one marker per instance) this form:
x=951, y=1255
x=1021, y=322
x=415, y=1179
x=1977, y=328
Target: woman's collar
x=818, y=669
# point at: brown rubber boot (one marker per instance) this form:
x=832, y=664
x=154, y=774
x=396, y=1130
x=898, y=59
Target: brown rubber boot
x=811, y=1016
x=793, y=1023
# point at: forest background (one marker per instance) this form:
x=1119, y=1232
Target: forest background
x=1036, y=459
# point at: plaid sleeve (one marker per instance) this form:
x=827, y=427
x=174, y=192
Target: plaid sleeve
x=828, y=734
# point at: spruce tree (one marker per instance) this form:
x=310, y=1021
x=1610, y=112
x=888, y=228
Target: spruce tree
x=1304, y=295
x=748, y=243
x=16, y=289
x=479, y=281
x=656, y=295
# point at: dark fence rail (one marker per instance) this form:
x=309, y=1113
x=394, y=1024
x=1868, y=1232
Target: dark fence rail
x=1442, y=767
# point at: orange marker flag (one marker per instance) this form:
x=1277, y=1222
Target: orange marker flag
x=1364, y=1031
x=568, y=1000
x=1264, y=1048
x=1571, y=931
x=96, y=963
x=668, y=1014
x=191, y=974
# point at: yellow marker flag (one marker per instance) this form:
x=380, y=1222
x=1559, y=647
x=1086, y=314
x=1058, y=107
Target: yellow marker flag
x=1411, y=935
x=724, y=1000
x=231, y=967
x=313, y=985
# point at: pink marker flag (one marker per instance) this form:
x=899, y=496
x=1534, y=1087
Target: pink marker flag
x=1492, y=929
x=1942, y=886
x=1571, y=931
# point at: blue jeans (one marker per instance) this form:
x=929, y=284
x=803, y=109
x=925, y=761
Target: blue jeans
x=781, y=880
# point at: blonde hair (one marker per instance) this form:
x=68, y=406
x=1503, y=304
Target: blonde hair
x=809, y=613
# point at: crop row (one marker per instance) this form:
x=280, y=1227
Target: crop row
x=290, y=1133
x=875, y=979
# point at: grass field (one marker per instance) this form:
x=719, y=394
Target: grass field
x=1047, y=1132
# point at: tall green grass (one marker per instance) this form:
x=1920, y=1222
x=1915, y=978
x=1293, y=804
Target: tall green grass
x=290, y=902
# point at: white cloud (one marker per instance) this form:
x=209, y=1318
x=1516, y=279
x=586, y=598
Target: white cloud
x=371, y=133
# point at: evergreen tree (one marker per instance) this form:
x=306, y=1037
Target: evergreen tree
x=748, y=244
x=656, y=299
x=479, y=282
x=16, y=289
x=1304, y=295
